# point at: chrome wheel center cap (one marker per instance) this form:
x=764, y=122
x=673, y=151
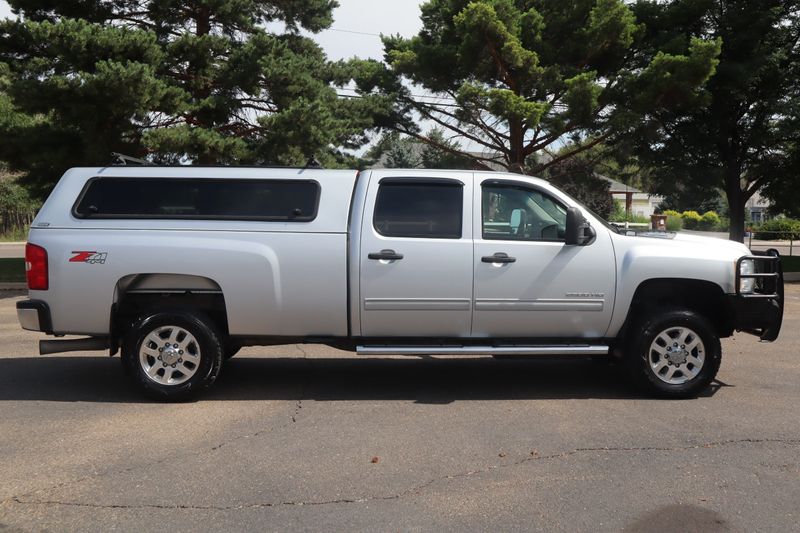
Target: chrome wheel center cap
x=170, y=355
x=678, y=357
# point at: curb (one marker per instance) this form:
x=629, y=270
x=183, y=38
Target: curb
x=13, y=286
x=791, y=276
x=19, y=243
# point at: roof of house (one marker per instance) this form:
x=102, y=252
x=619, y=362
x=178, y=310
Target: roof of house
x=618, y=186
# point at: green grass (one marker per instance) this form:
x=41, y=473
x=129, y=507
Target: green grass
x=12, y=269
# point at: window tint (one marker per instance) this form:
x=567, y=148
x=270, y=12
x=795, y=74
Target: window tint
x=423, y=210
x=516, y=213
x=236, y=199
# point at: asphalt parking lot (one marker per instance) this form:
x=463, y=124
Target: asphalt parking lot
x=308, y=438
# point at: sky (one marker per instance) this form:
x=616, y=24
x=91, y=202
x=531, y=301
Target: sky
x=356, y=26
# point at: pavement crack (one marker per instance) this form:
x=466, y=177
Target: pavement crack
x=302, y=350
x=416, y=489
x=715, y=444
x=186, y=507
x=579, y=451
x=298, y=405
x=310, y=368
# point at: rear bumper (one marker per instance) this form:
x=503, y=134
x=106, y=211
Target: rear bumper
x=34, y=315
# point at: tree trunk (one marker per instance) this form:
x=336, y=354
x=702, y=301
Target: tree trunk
x=736, y=200
x=202, y=91
x=516, y=138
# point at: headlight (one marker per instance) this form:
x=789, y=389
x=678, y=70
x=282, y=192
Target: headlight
x=746, y=285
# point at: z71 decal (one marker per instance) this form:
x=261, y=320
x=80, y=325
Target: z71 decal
x=88, y=257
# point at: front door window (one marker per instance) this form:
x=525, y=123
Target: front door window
x=516, y=213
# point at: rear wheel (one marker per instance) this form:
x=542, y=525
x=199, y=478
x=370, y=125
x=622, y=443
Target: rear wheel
x=676, y=354
x=173, y=355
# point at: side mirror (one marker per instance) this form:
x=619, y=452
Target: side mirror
x=578, y=231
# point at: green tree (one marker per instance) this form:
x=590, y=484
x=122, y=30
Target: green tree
x=513, y=77
x=745, y=138
x=443, y=153
x=401, y=151
x=178, y=81
x=76, y=91
x=577, y=177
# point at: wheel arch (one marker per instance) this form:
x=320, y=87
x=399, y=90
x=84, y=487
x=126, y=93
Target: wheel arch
x=702, y=296
x=136, y=294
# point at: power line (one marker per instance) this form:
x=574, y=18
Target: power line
x=432, y=104
x=355, y=32
x=429, y=96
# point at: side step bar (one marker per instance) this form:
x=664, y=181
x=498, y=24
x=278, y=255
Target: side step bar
x=73, y=345
x=553, y=349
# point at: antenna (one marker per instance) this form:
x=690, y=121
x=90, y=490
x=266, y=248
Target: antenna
x=124, y=160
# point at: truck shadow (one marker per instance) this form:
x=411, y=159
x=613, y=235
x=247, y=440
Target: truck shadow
x=429, y=381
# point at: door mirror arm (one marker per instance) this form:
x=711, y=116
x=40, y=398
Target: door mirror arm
x=578, y=231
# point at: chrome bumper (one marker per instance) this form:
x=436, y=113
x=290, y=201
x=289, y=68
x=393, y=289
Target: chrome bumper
x=34, y=315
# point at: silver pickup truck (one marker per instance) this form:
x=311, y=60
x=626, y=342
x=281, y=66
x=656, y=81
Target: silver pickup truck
x=179, y=267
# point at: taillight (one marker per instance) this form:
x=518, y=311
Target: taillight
x=36, y=267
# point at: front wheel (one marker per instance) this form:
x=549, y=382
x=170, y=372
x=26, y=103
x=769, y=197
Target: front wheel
x=674, y=354
x=173, y=355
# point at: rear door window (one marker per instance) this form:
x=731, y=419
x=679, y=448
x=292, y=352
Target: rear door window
x=425, y=209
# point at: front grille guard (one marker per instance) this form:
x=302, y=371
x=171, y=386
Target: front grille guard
x=768, y=275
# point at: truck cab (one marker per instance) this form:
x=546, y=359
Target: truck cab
x=476, y=255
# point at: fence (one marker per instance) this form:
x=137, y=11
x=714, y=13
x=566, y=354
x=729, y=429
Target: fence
x=783, y=241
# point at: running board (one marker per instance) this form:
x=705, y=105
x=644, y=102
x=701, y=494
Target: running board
x=47, y=347
x=554, y=349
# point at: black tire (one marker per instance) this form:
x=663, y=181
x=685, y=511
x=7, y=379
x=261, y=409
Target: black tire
x=207, y=348
x=645, y=365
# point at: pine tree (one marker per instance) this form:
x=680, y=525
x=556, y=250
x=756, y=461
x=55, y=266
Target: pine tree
x=191, y=81
x=513, y=78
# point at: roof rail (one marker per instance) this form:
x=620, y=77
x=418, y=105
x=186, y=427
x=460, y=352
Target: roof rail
x=312, y=163
x=124, y=160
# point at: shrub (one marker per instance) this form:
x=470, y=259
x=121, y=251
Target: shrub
x=641, y=219
x=778, y=229
x=691, y=219
x=17, y=209
x=709, y=221
x=674, y=222
x=617, y=212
